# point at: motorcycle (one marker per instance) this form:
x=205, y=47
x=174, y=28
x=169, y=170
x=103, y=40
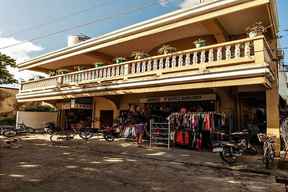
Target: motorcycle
x=22, y=128
x=268, y=148
x=109, y=133
x=238, y=145
x=51, y=128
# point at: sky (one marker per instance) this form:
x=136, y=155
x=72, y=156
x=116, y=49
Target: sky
x=21, y=21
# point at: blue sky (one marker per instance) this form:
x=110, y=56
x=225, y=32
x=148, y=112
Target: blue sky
x=15, y=17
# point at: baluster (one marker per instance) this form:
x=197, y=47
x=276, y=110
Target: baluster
x=100, y=73
x=109, y=72
x=97, y=73
x=149, y=65
x=180, y=61
x=247, y=49
x=133, y=68
x=202, y=57
x=138, y=69
x=237, y=51
x=167, y=62
x=228, y=52
x=155, y=64
x=195, y=59
x=174, y=61
x=219, y=53
x=121, y=68
x=117, y=70
x=187, y=59
x=143, y=66
x=211, y=55
x=161, y=63
x=113, y=71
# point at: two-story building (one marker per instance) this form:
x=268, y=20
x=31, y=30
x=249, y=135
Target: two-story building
x=209, y=63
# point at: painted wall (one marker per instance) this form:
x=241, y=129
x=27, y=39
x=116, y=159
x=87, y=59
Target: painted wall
x=102, y=103
x=36, y=119
x=8, y=101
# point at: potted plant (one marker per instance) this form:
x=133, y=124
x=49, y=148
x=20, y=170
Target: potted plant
x=199, y=43
x=255, y=30
x=165, y=49
x=118, y=60
x=139, y=55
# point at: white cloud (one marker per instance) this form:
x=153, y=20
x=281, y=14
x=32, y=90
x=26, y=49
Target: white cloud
x=163, y=2
x=189, y=3
x=20, y=53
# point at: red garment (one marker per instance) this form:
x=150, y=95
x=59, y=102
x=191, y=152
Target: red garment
x=179, y=138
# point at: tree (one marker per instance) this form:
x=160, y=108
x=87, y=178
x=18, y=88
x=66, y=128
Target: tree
x=5, y=76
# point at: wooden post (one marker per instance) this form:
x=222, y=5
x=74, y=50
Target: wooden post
x=272, y=110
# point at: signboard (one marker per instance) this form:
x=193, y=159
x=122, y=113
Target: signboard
x=206, y=97
x=75, y=106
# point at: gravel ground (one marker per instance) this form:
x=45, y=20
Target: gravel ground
x=74, y=166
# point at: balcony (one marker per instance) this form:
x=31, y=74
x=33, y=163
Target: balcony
x=229, y=60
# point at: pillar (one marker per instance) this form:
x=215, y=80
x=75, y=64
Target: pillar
x=272, y=110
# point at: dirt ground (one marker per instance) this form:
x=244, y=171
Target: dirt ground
x=72, y=166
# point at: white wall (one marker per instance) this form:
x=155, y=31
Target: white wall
x=36, y=119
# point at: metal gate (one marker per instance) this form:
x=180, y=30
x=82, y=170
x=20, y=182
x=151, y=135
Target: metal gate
x=160, y=134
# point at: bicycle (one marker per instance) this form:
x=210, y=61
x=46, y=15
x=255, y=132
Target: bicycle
x=268, y=148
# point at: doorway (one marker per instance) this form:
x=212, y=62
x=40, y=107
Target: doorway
x=106, y=118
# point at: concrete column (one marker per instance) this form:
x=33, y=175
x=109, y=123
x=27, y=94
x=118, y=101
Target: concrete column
x=272, y=110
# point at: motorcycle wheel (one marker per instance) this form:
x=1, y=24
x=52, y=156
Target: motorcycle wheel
x=109, y=137
x=268, y=160
x=49, y=131
x=227, y=155
x=251, y=150
x=9, y=133
x=85, y=135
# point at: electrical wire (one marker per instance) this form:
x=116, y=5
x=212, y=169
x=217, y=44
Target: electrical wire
x=124, y=13
x=55, y=20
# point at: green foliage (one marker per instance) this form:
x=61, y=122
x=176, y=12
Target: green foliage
x=39, y=109
x=5, y=76
x=7, y=120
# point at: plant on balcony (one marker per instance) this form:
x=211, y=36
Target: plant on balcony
x=52, y=73
x=139, y=55
x=255, y=30
x=165, y=49
x=118, y=60
x=199, y=43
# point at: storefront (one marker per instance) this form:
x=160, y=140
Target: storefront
x=75, y=113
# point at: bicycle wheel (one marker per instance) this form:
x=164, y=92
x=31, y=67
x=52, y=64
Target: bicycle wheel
x=227, y=155
x=9, y=133
x=109, y=137
x=85, y=134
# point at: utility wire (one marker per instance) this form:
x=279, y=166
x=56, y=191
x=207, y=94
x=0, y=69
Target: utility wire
x=55, y=20
x=124, y=13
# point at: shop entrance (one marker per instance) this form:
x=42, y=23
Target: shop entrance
x=106, y=118
x=75, y=114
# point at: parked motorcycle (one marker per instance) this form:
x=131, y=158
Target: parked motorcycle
x=51, y=128
x=238, y=145
x=268, y=149
x=22, y=128
x=109, y=133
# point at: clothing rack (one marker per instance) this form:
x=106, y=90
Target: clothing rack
x=198, y=130
x=160, y=134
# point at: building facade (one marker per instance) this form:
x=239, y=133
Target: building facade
x=220, y=55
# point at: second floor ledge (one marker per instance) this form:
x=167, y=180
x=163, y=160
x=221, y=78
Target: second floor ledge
x=239, y=58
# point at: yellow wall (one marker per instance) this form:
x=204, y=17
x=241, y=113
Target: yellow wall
x=8, y=101
x=101, y=103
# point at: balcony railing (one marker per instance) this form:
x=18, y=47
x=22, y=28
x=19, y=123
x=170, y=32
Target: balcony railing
x=213, y=55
